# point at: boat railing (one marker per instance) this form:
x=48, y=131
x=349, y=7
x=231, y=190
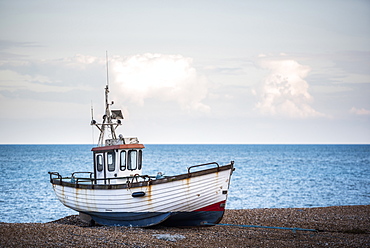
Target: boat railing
x=83, y=172
x=54, y=173
x=129, y=180
x=55, y=177
x=199, y=165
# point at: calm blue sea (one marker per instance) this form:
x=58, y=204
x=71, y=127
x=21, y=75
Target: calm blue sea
x=266, y=176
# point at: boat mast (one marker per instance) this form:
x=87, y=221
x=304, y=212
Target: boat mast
x=108, y=117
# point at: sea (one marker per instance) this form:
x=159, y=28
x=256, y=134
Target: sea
x=265, y=176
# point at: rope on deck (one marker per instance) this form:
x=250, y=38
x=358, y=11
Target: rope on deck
x=294, y=229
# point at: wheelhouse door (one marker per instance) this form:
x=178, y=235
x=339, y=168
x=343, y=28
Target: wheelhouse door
x=99, y=167
x=110, y=169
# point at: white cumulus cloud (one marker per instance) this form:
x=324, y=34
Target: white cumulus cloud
x=360, y=111
x=162, y=77
x=285, y=92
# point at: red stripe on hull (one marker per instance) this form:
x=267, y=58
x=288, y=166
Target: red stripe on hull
x=220, y=206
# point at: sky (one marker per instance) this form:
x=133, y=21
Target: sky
x=186, y=72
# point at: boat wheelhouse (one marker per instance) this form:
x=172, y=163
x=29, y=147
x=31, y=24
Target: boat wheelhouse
x=117, y=161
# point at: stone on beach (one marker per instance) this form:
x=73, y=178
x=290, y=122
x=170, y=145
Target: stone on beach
x=340, y=226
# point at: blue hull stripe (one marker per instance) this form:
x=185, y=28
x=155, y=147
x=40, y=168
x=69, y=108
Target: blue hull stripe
x=146, y=219
x=129, y=218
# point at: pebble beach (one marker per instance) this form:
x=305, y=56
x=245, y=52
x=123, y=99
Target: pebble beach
x=339, y=226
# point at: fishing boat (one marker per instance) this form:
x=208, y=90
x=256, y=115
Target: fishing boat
x=116, y=192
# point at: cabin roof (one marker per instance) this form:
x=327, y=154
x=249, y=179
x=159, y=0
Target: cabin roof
x=115, y=147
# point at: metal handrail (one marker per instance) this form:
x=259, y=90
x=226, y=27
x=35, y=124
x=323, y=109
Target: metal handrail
x=54, y=173
x=218, y=166
x=83, y=172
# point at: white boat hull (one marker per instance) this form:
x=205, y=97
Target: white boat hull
x=184, y=200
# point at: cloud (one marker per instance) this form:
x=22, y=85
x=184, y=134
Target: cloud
x=162, y=77
x=285, y=92
x=361, y=111
x=61, y=80
x=82, y=62
x=13, y=81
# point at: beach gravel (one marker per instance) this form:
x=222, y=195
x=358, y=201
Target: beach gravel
x=340, y=226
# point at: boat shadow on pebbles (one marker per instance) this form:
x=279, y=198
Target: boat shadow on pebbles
x=73, y=220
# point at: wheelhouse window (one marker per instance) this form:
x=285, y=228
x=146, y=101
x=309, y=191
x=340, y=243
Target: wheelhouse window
x=99, y=162
x=132, y=160
x=111, y=161
x=123, y=160
x=140, y=159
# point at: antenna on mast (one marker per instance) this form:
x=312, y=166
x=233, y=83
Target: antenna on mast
x=106, y=59
x=92, y=114
x=93, y=122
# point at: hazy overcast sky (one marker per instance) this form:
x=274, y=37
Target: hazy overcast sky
x=246, y=72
